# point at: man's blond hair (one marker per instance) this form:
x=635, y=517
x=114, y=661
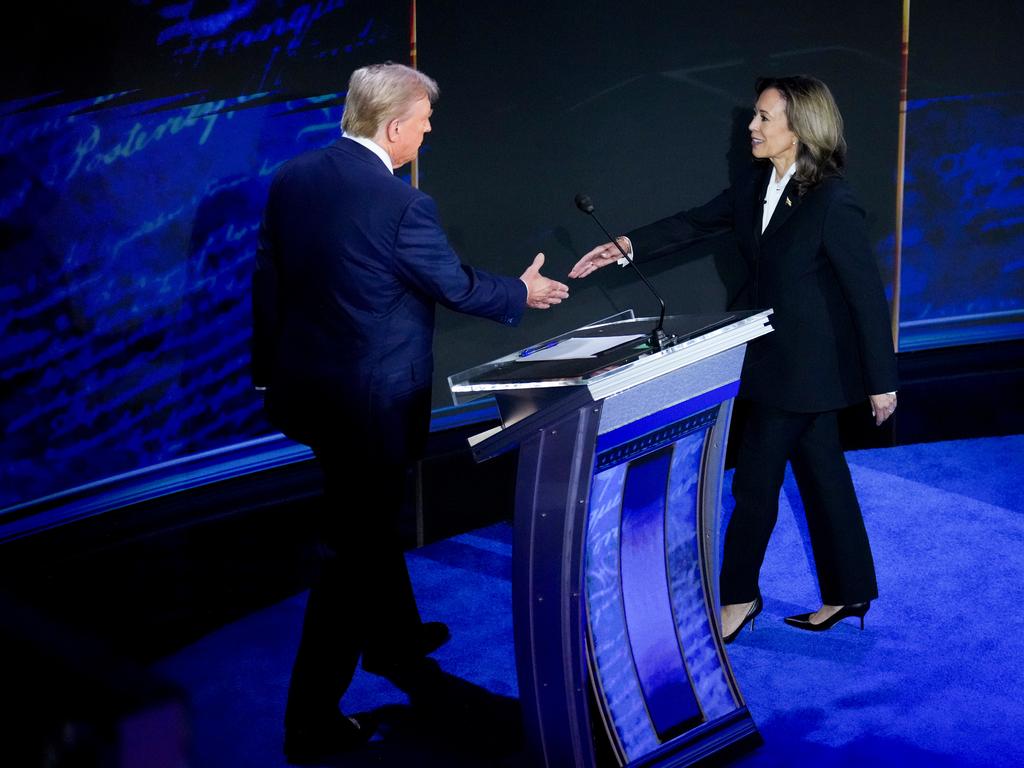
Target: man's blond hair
x=380, y=93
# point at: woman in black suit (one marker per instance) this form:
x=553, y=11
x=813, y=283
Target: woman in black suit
x=804, y=240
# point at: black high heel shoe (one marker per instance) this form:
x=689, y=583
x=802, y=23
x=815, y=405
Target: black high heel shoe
x=802, y=621
x=752, y=613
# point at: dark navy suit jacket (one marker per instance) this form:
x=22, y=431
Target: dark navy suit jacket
x=350, y=265
x=832, y=344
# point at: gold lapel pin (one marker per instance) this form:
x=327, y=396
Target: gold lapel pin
x=789, y=202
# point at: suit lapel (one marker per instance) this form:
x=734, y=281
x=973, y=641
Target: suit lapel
x=756, y=195
x=762, y=192
x=787, y=204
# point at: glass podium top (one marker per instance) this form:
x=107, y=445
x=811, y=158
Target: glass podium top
x=606, y=348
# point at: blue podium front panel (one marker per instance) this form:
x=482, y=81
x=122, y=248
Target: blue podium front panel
x=611, y=664
x=647, y=601
x=656, y=670
x=689, y=594
x=618, y=653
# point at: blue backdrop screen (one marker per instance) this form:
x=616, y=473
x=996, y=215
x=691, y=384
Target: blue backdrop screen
x=963, y=226
x=129, y=224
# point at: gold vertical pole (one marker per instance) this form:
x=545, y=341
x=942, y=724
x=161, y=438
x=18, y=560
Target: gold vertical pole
x=415, y=168
x=901, y=159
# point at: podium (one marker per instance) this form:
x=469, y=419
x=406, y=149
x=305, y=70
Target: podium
x=619, y=655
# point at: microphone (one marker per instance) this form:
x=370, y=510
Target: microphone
x=657, y=338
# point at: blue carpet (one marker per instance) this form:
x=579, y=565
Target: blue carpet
x=934, y=679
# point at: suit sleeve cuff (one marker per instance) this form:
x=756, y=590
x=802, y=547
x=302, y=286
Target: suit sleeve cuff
x=623, y=261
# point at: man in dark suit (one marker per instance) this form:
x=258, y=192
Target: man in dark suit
x=805, y=244
x=350, y=266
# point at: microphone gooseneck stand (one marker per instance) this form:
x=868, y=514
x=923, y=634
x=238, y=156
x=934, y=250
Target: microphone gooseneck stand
x=657, y=338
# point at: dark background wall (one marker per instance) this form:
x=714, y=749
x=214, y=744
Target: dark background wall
x=137, y=139
x=644, y=107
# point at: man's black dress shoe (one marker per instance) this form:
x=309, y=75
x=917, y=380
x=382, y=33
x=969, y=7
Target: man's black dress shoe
x=322, y=741
x=803, y=620
x=752, y=613
x=432, y=635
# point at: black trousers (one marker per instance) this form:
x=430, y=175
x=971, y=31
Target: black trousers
x=362, y=600
x=810, y=441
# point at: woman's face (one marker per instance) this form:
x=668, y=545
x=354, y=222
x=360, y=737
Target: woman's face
x=770, y=136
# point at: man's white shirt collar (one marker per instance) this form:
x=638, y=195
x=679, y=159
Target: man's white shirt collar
x=374, y=147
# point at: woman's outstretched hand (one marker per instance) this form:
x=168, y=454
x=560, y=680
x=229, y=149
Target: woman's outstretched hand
x=598, y=257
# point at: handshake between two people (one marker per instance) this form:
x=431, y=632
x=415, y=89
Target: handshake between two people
x=543, y=292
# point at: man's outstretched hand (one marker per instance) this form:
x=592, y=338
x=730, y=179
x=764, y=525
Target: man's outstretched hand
x=542, y=292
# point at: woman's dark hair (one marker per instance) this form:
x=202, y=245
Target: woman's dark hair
x=815, y=119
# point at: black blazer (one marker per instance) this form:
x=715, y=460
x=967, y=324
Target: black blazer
x=832, y=345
